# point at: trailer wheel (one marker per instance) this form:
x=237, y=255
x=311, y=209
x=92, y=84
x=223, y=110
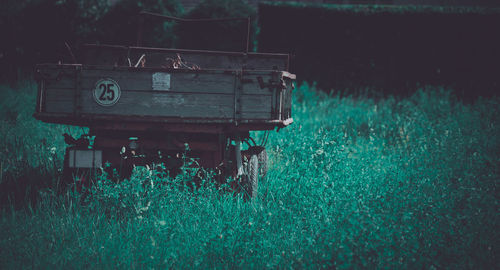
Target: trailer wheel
x=261, y=153
x=251, y=178
x=262, y=157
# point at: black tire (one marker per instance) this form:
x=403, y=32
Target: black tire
x=251, y=179
x=262, y=158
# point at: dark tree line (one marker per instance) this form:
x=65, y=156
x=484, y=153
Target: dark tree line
x=37, y=31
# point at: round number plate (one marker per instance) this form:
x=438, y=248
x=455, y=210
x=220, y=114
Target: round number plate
x=107, y=92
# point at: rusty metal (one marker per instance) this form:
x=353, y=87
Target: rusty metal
x=171, y=18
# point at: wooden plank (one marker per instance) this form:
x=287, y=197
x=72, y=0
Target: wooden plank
x=251, y=85
x=255, y=116
x=203, y=83
x=59, y=100
x=184, y=81
x=183, y=105
x=142, y=80
x=256, y=103
x=187, y=105
x=107, y=55
x=213, y=126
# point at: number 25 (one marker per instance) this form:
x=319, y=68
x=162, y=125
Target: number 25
x=108, y=93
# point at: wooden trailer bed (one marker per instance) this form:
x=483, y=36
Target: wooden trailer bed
x=245, y=91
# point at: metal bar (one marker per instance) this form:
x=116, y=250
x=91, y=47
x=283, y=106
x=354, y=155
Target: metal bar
x=191, y=20
x=248, y=34
x=39, y=98
x=234, y=100
x=280, y=113
x=184, y=50
x=237, y=152
x=144, y=69
x=70, y=52
x=289, y=75
x=77, y=94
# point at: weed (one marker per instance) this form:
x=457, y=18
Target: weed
x=353, y=183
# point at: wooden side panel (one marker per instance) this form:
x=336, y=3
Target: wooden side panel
x=203, y=83
x=143, y=103
x=183, y=105
x=106, y=55
x=193, y=95
x=143, y=80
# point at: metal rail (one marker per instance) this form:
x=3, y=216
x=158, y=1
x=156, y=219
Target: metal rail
x=143, y=14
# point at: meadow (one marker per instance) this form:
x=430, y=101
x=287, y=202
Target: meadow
x=355, y=182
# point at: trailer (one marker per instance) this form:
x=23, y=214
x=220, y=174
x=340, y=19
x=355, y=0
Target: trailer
x=146, y=106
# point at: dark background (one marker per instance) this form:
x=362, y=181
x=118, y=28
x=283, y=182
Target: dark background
x=386, y=48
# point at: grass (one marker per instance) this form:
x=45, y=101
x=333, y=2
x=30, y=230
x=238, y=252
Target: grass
x=354, y=183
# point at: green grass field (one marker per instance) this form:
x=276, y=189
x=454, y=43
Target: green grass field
x=355, y=182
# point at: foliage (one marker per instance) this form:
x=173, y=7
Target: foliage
x=31, y=155
x=353, y=183
x=227, y=36
x=389, y=48
x=37, y=30
x=399, y=9
x=119, y=25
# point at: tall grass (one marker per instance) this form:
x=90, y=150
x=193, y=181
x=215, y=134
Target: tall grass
x=353, y=183
x=31, y=152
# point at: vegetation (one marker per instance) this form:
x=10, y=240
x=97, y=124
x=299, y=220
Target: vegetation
x=365, y=9
x=354, y=182
x=39, y=30
x=32, y=152
x=393, y=49
x=226, y=35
